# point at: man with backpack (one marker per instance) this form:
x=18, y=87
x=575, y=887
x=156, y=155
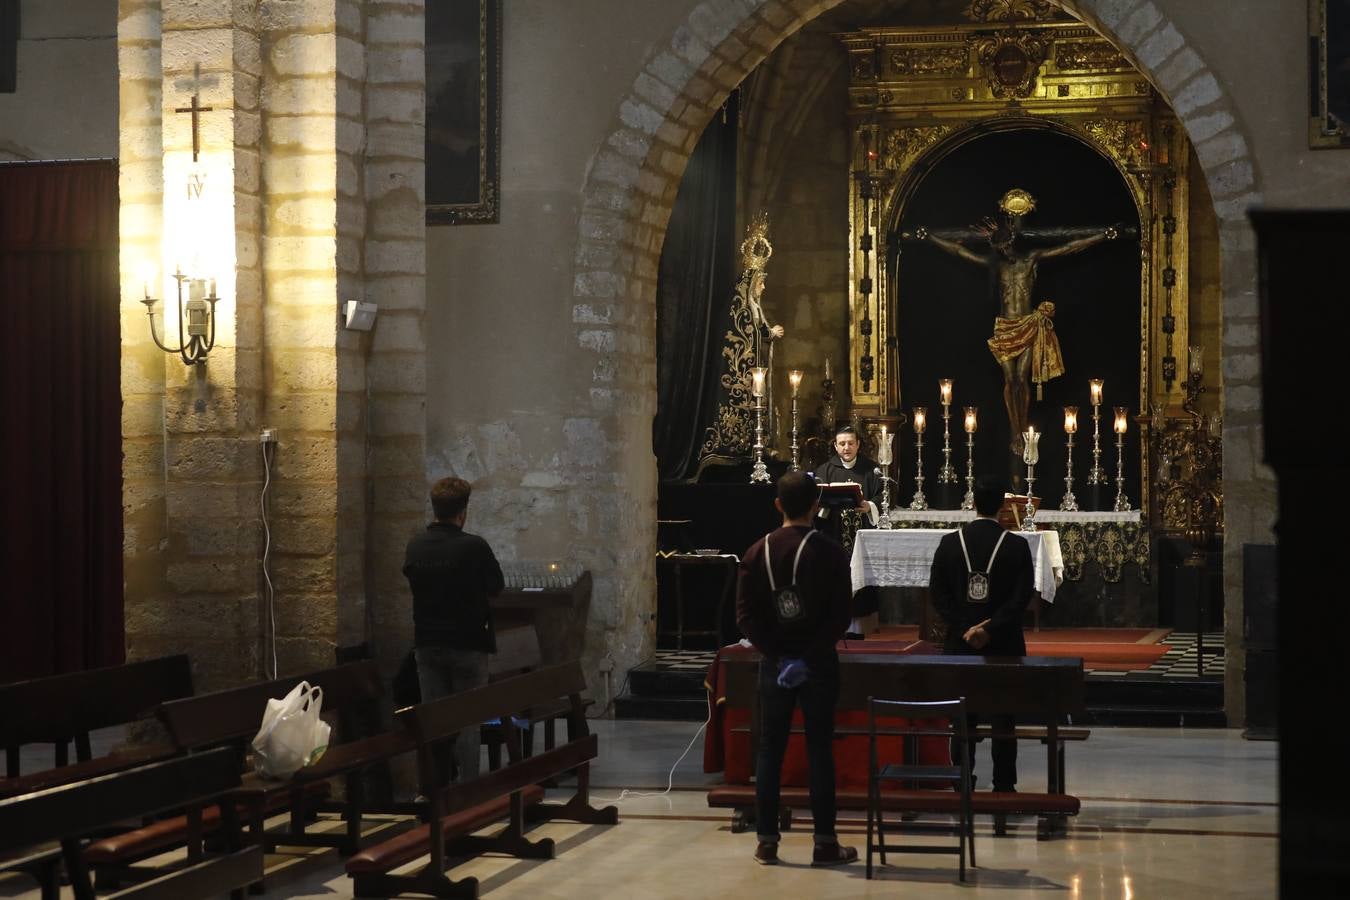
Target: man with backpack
x=792, y=602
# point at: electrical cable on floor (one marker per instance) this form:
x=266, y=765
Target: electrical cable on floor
x=630, y=794
x=610, y=703
x=269, y=590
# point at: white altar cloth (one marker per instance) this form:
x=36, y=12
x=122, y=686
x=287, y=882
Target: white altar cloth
x=902, y=517
x=903, y=557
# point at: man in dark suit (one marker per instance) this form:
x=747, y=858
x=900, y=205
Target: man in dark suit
x=981, y=583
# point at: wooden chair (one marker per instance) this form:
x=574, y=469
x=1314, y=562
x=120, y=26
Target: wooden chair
x=918, y=719
x=68, y=813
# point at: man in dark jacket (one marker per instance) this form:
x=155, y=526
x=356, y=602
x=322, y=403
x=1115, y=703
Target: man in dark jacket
x=981, y=582
x=453, y=575
x=792, y=602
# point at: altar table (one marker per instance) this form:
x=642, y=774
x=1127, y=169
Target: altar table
x=903, y=557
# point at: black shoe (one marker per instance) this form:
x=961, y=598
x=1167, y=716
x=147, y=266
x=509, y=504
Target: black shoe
x=766, y=854
x=833, y=855
x=853, y=636
x=1004, y=790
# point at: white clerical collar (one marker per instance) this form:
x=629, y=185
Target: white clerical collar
x=848, y=465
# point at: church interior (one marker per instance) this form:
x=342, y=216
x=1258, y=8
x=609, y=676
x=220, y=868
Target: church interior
x=278, y=271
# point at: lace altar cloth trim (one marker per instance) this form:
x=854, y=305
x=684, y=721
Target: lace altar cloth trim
x=904, y=557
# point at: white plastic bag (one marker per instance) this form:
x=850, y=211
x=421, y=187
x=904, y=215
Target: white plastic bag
x=292, y=734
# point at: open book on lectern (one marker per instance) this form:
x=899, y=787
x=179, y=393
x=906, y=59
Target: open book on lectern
x=844, y=494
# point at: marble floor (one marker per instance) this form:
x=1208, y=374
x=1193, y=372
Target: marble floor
x=1167, y=813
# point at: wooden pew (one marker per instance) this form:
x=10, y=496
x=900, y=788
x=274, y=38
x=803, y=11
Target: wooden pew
x=69, y=812
x=513, y=792
x=231, y=718
x=1040, y=691
x=65, y=708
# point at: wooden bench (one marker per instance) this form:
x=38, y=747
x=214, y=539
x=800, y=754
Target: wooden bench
x=231, y=718
x=1043, y=690
x=65, y=708
x=68, y=813
x=511, y=792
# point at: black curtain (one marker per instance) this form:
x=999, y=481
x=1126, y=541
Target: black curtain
x=61, y=419
x=693, y=289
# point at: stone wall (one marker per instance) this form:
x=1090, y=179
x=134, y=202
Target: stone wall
x=318, y=186
x=65, y=104
x=793, y=163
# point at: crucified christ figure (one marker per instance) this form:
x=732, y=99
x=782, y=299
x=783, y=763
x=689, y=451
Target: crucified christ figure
x=1024, y=341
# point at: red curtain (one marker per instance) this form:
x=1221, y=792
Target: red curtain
x=62, y=582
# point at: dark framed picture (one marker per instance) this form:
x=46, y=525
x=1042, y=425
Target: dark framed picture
x=9, y=46
x=463, y=60
x=1329, y=73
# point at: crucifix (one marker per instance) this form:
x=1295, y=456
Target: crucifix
x=196, y=109
x=1024, y=341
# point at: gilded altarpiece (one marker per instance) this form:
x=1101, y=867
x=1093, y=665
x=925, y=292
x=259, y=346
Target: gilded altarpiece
x=916, y=94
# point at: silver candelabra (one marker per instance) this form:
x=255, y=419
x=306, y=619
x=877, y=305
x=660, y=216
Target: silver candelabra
x=1095, y=474
x=884, y=459
x=796, y=463
x=920, y=423
x=968, y=501
x=760, y=472
x=1070, y=502
x=947, y=474
x=1122, y=503
x=1030, y=455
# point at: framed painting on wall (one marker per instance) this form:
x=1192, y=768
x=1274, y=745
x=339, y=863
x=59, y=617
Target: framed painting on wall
x=463, y=141
x=1329, y=73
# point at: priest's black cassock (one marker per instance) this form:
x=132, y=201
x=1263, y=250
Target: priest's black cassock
x=863, y=472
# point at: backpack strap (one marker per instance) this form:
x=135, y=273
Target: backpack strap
x=768, y=566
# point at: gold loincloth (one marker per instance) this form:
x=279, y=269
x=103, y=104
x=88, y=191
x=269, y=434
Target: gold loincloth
x=1034, y=332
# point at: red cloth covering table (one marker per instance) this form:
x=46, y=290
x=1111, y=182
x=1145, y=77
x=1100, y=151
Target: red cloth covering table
x=727, y=750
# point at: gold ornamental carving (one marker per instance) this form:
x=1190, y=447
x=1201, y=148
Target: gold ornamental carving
x=929, y=61
x=1011, y=60
x=1123, y=139
x=902, y=146
x=1088, y=56
x=1008, y=10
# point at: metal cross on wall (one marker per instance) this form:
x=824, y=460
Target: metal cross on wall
x=196, y=109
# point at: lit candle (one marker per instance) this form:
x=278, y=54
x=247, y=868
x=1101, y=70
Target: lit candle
x=1095, y=385
x=1122, y=419
x=827, y=368
x=757, y=374
x=1070, y=419
x=1196, y=360
x=970, y=419
x=883, y=433
x=920, y=419
x=795, y=378
x=945, y=387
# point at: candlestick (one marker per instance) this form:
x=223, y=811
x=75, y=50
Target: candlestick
x=968, y=501
x=884, y=459
x=795, y=379
x=827, y=368
x=947, y=474
x=1195, y=360
x=1095, y=474
x=760, y=472
x=1030, y=455
x=1070, y=502
x=920, y=421
x=1122, y=419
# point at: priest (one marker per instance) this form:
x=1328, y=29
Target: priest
x=848, y=464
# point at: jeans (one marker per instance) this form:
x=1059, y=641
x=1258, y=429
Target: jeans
x=441, y=672
x=818, y=697
x=1003, y=750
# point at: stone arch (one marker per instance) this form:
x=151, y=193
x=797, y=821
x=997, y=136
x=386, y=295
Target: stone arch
x=633, y=178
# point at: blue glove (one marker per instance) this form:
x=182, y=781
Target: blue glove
x=792, y=673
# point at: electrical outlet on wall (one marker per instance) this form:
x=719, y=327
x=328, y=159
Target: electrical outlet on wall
x=267, y=436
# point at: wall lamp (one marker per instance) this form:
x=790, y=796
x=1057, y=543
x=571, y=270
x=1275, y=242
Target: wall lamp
x=196, y=318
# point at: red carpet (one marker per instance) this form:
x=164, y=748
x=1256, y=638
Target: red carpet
x=1108, y=649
